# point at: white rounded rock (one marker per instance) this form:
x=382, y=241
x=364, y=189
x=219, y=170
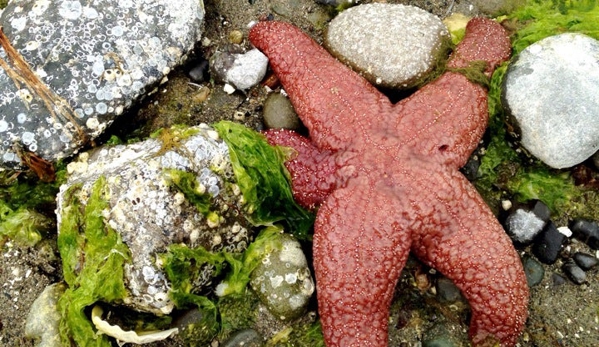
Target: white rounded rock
x=551, y=93
x=393, y=46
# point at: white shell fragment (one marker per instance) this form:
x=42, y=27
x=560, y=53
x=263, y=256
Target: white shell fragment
x=123, y=336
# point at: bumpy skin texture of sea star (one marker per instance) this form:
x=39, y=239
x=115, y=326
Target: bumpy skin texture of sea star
x=386, y=179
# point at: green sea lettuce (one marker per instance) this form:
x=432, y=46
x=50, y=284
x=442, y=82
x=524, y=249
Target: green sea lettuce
x=263, y=179
x=93, y=256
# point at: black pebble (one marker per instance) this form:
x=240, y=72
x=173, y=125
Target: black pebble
x=584, y=260
x=586, y=231
x=575, y=273
x=557, y=279
x=199, y=73
x=548, y=244
x=447, y=291
x=541, y=210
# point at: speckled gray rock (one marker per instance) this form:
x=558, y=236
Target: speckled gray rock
x=523, y=225
x=393, y=46
x=551, y=93
x=150, y=213
x=44, y=317
x=283, y=281
x=96, y=57
x=242, y=71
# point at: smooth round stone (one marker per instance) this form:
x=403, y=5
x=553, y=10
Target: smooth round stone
x=393, y=46
x=44, y=317
x=279, y=113
x=575, y=273
x=534, y=271
x=585, y=261
x=586, y=231
x=557, y=280
x=551, y=93
x=447, y=291
x=243, y=71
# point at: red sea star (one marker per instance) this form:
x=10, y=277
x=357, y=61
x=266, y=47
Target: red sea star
x=387, y=181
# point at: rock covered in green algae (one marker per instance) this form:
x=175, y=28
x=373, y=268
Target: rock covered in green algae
x=177, y=188
x=283, y=281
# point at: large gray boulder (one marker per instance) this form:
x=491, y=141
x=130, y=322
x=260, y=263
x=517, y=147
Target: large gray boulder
x=147, y=207
x=551, y=93
x=393, y=46
x=90, y=62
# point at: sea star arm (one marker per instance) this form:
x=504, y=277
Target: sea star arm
x=312, y=170
x=323, y=91
x=359, y=251
x=452, y=105
x=485, y=40
x=460, y=237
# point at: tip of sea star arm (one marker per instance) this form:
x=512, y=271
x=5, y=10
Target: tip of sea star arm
x=464, y=241
x=312, y=170
x=485, y=40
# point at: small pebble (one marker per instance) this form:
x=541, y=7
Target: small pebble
x=447, y=291
x=243, y=71
x=43, y=320
x=199, y=73
x=541, y=210
x=534, y=271
x=586, y=231
x=557, y=280
x=201, y=95
x=244, y=338
x=279, y=113
x=574, y=272
x=585, y=261
x=336, y=3
x=523, y=225
x=548, y=244
x=236, y=37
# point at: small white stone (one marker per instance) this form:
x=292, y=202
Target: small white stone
x=565, y=231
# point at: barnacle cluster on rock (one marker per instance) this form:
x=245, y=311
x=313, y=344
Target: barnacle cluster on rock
x=156, y=198
x=96, y=59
